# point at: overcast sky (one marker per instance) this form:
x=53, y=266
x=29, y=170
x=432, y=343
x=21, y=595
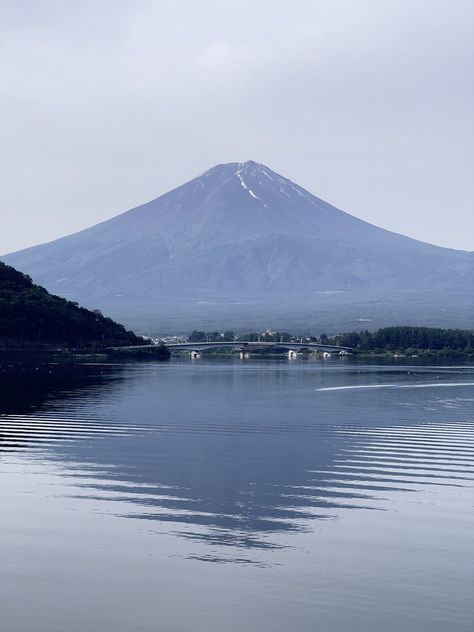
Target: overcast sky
x=109, y=103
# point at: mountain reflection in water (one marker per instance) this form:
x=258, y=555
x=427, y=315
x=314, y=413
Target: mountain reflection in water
x=235, y=456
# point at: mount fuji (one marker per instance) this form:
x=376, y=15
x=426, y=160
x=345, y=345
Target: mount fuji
x=240, y=245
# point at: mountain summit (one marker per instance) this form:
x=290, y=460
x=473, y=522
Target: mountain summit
x=241, y=234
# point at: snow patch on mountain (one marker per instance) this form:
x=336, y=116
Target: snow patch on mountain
x=249, y=191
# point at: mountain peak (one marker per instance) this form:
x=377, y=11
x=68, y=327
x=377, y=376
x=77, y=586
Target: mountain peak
x=251, y=164
x=256, y=179
x=236, y=167
x=254, y=168
x=240, y=232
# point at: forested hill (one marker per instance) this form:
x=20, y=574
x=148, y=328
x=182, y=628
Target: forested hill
x=29, y=314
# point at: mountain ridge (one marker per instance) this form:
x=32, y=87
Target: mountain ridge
x=239, y=168
x=241, y=231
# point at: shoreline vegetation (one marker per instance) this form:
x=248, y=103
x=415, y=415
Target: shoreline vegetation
x=411, y=342
x=35, y=323
x=387, y=342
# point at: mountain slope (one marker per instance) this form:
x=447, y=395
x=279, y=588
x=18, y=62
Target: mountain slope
x=28, y=313
x=242, y=233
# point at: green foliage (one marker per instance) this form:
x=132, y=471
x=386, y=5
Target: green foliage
x=267, y=336
x=211, y=336
x=410, y=340
x=197, y=336
x=28, y=313
x=162, y=353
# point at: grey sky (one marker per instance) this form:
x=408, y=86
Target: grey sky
x=109, y=103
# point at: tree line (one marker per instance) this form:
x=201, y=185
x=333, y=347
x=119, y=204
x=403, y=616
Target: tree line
x=402, y=339
x=29, y=313
x=406, y=339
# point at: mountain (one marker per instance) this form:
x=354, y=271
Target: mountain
x=30, y=315
x=242, y=243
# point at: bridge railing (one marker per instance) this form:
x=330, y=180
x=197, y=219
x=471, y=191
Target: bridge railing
x=241, y=345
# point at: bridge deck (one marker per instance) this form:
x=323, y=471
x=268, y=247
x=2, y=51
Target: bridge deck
x=242, y=345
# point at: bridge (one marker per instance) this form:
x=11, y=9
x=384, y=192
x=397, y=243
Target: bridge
x=245, y=346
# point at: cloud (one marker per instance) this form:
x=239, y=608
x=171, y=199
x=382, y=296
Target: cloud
x=106, y=105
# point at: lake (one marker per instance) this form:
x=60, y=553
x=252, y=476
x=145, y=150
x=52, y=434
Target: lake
x=227, y=495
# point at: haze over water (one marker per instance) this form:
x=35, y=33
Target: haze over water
x=238, y=495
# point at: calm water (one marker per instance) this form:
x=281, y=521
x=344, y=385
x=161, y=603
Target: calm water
x=229, y=495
